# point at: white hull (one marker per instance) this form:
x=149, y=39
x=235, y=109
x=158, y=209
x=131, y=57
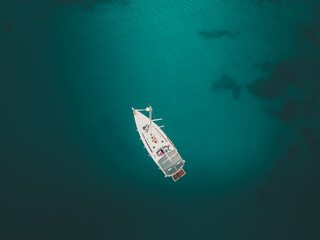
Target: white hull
x=158, y=145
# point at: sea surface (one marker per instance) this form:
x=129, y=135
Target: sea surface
x=237, y=84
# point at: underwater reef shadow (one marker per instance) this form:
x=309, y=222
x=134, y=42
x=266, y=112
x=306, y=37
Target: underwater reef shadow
x=292, y=185
x=297, y=82
x=227, y=83
x=287, y=113
x=311, y=32
x=299, y=72
x=296, y=78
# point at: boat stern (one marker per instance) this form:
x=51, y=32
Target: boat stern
x=178, y=175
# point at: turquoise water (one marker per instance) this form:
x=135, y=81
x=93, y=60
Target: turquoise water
x=237, y=84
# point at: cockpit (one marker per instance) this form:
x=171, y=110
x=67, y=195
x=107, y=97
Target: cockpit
x=171, y=162
x=163, y=150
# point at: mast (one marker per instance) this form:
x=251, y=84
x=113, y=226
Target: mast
x=150, y=117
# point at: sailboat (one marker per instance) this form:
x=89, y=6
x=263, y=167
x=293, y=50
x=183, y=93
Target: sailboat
x=158, y=145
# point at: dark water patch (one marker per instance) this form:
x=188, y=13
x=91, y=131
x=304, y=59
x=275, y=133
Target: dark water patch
x=274, y=85
x=293, y=189
x=311, y=138
x=46, y=8
x=264, y=67
x=227, y=83
x=281, y=2
x=278, y=2
x=40, y=10
x=292, y=153
x=299, y=71
x=316, y=8
x=284, y=72
x=66, y=2
x=307, y=70
x=285, y=162
x=287, y=113
x=263, y=88
x=7, y=25
x=88, y=4
x=262, y=194
x=312, y=33
x=26, y=1
x=278, y=177
x=216, y=34
x=311, y=107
